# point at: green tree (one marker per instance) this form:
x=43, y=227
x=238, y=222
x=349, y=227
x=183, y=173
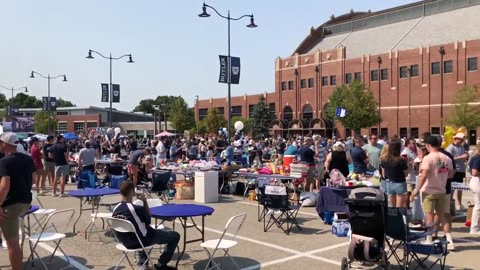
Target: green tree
x=361, y=106
x=3, y=101
x=41, y=122
x=246, y=124
x=64, y=103
x=214, y=121
x=146, y=105
x=463, y=113
x=23, y=100
x=181, y=116
x=163, y=102
x=261, y=119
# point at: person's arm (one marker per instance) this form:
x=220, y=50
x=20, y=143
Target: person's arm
x=424, y=167
x=464, y=156
x=451, y=171
x=4, y=188
x=349, y=157
x=80, y=159
x=50, y=152
x=328, y=160
x=66, y=155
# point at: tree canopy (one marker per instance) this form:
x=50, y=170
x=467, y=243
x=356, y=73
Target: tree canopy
x=214, y=121
x=261, y=119
x=163, y=102
x=23, y=100
x=463, y=113
x=360, y=104
x=41, y=122
x=181, y=116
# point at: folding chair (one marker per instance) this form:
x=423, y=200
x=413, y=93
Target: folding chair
x=261, y=209
x=231, y=230
x=437, y=249
x=125, y=226
x=50, y=236
x=400, y=235
x=108, y=201
x=279, y=209
x=160, y=185
x=41, y=214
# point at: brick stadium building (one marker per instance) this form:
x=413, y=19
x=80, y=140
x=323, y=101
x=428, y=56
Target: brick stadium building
x=413, y=57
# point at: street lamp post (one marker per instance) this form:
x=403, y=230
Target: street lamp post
x=379, y=61
x=195, y=107
x=442, y=53
x=13, y=90
x=48, y=77
x=110, y=58
x=155, y=110
x=252, y=24
x=409, y=103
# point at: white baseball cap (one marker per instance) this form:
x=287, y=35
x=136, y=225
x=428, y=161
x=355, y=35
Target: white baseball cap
x=9, y=138
x=459, y=135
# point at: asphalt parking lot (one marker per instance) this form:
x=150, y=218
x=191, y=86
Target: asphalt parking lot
x=312, y=248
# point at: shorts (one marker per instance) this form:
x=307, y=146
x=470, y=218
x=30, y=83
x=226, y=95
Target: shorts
x=49, y=166
x=63, y=170
x=438, y=203
x=11, y=225
x=458, y=177
x=311, y=174
x=448, y=187
x=396, y=188
x=132, y=169
x=320, y=171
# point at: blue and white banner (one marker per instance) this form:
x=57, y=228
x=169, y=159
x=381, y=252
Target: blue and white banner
x=116, y=93
x=235, y=70
x=341, y=112
x=105, y=92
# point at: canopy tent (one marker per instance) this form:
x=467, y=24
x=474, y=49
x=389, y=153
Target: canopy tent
x=70, y=136
x=41, y=137
x=165, y=134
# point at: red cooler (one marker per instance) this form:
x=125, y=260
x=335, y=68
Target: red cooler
x=287, y=160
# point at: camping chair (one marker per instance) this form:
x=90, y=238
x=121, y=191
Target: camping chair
x=50, y=236
x=125, y=226
x=231, y=230
x=277, y=202
x=159, y=185
x=400, y=235
x=87, y=179
x=437, y=249
x=109, y=201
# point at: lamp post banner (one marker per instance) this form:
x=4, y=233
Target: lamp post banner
x=116, y=93
x=223, y=69
x=53, y=104
x=104, y=92
x=45, y=103
x=235, y=70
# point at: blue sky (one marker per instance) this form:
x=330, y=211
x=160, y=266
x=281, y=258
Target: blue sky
x=175, y=51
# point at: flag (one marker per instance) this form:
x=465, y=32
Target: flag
x=116, y=93
x=45, y=103
x=222, y=78
x=105, y=92
x=53, y=104
x=341, y=112
x=235, y=70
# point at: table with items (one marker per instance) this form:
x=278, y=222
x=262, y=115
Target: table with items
x=184, y=212
x=94, y=195
x=258, y=179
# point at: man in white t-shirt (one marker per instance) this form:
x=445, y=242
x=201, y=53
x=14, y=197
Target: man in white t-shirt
x=161, y=151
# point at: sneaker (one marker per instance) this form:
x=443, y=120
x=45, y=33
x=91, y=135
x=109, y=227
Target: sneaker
x=54, y=195
x=460, y=208
x=163, y=267
x=62, y=195
x=450, y=247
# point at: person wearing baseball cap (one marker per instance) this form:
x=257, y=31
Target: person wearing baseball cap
x=460, y=155
x=16, y=176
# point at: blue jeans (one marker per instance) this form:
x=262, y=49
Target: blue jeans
x=161, y=237
x=396, y=188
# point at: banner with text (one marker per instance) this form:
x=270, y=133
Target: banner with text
x=234, y=72
x=49, y=105
x=105, y=92
x=116, y=93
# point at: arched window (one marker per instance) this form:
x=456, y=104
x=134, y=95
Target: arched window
x=307, y=113
x=287, y=114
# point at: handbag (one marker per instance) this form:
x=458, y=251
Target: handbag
x=469, y=214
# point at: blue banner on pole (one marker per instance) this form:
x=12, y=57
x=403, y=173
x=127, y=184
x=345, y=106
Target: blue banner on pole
x=223, y=78
x=234, y=72
x=340, y=112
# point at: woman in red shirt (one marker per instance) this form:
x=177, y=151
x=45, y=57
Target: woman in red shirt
x=39, y=174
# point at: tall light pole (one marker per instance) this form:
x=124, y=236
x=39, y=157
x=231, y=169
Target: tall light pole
x=252, y=24
x=195, y=108
x=409, y=102
x=48, y=77
x=13, y=90
x=110, y=58
x=379, y=61
x=155, y=110
x=442, y=53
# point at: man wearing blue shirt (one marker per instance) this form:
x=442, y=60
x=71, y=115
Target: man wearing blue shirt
x=359, y=156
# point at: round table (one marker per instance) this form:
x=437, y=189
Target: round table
x=90, y=192
x=184, y=212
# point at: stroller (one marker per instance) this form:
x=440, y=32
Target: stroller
x=367, y=208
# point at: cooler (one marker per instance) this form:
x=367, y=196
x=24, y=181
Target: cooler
x=287, y=160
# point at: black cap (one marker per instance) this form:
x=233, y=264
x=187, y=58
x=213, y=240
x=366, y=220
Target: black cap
x=432, y=140
x=50, y=137
x=59, y=137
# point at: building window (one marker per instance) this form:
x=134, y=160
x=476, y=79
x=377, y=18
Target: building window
x=287, y=114
x=324, y=81
x=403, y=132
x=472, y=64
x=374, y=131
x=271, y=106
x=333, y=80
x=384, y=133
x=436, y=130
x=348, y=132
x=358, y=76
x=414, y=133
x=290, y=85
x=91, y=125
x=348, y=78
x=310, y=83
x=284, y=86
x=435, y=68
x=251, y=107
x=448, y=66
x=384, y=74
x=202, y=113
x=374, y=75
x=403, y=72
x=79, y=127
x=307, y=112
x=413, y=70
x=220, y=110
x=62, y=113
x=62, y=127
x=236, y=110
x=303, y=83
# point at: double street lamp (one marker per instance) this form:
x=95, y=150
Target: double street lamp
x=14, y=90
x=110, y=58
x=48, y=77
x=252, y=24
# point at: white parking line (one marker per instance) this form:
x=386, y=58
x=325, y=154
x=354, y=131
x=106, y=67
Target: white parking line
x=265, y=264
x=300, y=212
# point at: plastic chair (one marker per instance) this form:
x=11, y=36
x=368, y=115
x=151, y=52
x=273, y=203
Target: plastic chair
x=231, y=230
x=109, y=201
x=276, y=201
x=125, y=226
x=49, y=236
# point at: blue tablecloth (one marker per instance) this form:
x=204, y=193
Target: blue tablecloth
x=332, y=199
x=93, y=192
x=180, y=211
x=33, y=208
